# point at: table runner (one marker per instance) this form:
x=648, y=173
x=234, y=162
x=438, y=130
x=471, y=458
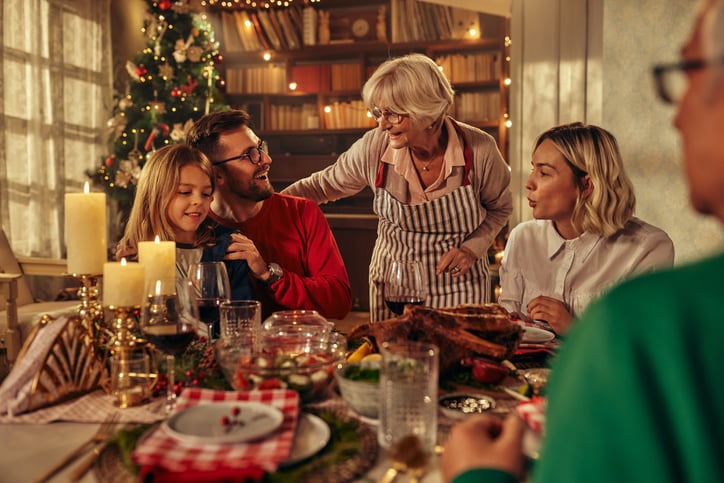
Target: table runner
x=162, y=453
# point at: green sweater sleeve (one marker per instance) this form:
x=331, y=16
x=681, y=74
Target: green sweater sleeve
x=488, y=475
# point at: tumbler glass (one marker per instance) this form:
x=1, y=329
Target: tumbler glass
x=408, y=392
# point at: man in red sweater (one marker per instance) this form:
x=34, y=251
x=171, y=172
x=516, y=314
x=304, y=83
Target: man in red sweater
x=292, y=254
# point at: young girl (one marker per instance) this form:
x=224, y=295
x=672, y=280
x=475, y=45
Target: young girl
x=172, y=200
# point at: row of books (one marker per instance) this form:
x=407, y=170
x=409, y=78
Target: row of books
x=414, y=20
x=257, y=79
x=264, y=29
x=337, y=115
x=477, y=106
x=469, y=67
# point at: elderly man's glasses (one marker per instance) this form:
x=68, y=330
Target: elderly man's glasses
x=671, y=80
x=390, y=116
x=253, y=154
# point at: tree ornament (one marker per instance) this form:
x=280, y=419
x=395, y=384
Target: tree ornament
x=131, y=69
x=218, y=58
x=125, y=103
x=175, y=92
x=141, y=70
x=189, y=87
x=159, y=130
x=166, y=71
x=194, y=53
x=221, y=84
x=110, y=160
x=165, y=4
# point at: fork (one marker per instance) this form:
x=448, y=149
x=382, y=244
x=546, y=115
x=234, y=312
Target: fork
x=103, y=434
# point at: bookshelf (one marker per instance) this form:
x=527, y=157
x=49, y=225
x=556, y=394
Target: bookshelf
x=301, y=82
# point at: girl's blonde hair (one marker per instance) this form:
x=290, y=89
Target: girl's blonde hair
x=593, y=151
x=412, y=84
x=158, y=184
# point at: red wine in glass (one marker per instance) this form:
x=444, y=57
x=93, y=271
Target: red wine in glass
x=405, y=283
x=169, y=339
x=209, y=315
x=397, y=304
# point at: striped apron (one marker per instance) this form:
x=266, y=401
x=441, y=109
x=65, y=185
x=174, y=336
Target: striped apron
x=425, y=232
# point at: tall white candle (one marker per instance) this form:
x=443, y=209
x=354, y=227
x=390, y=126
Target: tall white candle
x=158, y=259
x=85, y=232
x=123, y=283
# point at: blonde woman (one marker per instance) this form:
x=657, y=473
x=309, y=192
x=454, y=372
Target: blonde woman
x=441, y=187
x=584, y=237
x=172, y=202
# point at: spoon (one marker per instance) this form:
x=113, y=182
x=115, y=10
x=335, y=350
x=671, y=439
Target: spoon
x=406, y=455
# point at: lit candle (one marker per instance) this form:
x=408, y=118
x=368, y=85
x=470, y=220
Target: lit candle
x=158, y=258
x=123, y=283
x=85, y=232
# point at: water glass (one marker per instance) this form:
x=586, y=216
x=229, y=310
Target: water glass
x=241, y=321
x=131, y=379
x=408, y=392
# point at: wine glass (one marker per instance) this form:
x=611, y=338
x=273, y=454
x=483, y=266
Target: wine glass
x=405, y=283
x=169, y=320
x=210, y=282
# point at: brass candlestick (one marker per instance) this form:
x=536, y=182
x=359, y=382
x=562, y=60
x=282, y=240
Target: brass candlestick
x=90, y=309
x=133, y=367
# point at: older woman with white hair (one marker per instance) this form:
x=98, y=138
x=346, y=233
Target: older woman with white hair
x=441, y=187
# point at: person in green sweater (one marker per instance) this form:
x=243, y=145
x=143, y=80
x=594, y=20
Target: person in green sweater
x=636, y=393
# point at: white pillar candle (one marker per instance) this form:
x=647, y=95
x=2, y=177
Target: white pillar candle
x=123, y=283
x=85, y=232
x=158, y=259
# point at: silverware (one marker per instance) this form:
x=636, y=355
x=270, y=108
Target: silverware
x=103, y=434
x=406, y=455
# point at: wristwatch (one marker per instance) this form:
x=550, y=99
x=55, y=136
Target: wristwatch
x=275, y=272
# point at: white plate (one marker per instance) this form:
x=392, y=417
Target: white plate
x=536, y=335
x=312, y=435
x=203, y=423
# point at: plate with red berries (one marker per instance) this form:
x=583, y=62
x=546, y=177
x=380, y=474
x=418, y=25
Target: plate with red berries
x=224, y=422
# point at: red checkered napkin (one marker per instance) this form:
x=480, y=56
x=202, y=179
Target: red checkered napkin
x=163, y=453
x=533, y=412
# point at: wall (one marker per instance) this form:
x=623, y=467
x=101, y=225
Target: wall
x=591, y=61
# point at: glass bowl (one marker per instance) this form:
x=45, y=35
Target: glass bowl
x=359, y=388
x=305, y=365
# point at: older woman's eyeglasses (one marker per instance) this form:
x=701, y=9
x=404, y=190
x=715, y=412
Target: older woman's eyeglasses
x=671, y=80
x=390, y=116
x=253, y=154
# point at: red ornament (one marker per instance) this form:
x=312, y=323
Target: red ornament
x=110, y=160
x=164, y=4
x=221, y=84
x=218, y=58
x=175, y=92
x=141, y=70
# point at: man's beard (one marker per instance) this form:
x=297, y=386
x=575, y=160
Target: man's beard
x=253, y=192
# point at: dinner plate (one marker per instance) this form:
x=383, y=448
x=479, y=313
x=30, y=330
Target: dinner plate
x=205, y=423
x=536, y=335
x=312, y=435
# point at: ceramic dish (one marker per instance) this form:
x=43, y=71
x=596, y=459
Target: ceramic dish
x=536, y=335
x=224, y=422
x=312, y=435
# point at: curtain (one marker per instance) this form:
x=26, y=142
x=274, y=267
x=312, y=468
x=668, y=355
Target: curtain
x=55, y=99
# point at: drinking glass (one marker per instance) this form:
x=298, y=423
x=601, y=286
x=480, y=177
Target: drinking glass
x=169, y=320
x=241, y=322
x=408, y=393
x=211, y=285
x=405, y=283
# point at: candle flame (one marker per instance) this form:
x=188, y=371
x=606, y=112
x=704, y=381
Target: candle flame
x=157, y=239
x=86, y=188
x=123, y=261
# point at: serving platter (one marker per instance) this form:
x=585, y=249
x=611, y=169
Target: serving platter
x=535, y=335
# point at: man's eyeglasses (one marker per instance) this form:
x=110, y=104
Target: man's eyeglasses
x=390, y=116
x=671, y=80
x=253, y=153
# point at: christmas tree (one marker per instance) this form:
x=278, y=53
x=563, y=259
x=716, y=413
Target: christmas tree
x=173, y=81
